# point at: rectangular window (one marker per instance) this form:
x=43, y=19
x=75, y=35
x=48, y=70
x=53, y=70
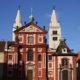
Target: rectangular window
x=20, y=39
x=30, y=39
x=39, y=57
x=64, y=62
x=40, y=39
x=39, y=65
x=55, y=38
x=30, y=55
x=49, y=57
x=39, y=73
x=55, y=32
x=50, y=65
x=9, y=57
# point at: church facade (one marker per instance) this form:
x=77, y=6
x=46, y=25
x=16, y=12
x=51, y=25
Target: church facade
x=29, y=57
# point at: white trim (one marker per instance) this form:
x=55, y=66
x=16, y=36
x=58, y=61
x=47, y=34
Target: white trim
x=41, y=73
x=64, y=50
x=51, y=65
x=30, y=35
x=41, y=39
x=50, y=73
x=39, y=66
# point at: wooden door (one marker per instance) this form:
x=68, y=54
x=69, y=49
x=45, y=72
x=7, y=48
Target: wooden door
x=65, y=75
x=29, y=75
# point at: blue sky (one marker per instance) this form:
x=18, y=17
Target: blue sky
x=68, y=12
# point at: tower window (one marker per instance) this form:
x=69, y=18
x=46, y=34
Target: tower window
x=55, y=38
x=55, y=32
x=30, y=55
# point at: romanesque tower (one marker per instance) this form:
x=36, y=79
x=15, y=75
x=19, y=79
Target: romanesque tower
x=17, y=24
x=54, y=31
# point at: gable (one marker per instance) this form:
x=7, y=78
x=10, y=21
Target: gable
x=31, y=27
x=63, y=48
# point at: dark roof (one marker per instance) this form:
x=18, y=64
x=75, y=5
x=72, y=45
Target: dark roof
x=63, y=45
x=78, y=58
x=30, y=23
x=72, y=54
x=2, y=45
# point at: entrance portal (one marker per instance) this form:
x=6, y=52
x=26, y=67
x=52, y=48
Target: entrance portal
x=29, y=75
x=65, y=75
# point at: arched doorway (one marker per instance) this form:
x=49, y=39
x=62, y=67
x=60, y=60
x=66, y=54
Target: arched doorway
x=65, y=75
x=29, y=74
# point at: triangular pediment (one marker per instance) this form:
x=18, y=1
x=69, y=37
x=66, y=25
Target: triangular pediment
x=31, y=27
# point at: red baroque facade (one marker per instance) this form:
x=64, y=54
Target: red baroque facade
x=29, y=51
x=29, y=58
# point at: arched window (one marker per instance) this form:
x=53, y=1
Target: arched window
x=30, y=55
x=64, y=62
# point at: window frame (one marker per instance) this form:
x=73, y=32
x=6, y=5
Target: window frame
x=55, y=38
x=39, y=57
x=30, y=39
x=49, y=57
x=54, y=32
x=30, y=55
x=64, y=62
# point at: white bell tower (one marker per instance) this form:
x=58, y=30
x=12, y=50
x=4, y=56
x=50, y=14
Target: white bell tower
x=54, y=31
x=17, y=23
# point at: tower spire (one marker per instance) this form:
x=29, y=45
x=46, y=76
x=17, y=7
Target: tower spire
x=18, y=18
x=54, y=31
x=54, y=20
x=17, y=23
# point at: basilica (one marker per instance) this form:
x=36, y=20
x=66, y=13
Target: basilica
x=30, y=57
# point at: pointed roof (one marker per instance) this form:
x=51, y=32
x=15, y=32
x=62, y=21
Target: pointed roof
x=54, y=21
x=18, y=21
x=61, y=46
x=4, y=45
